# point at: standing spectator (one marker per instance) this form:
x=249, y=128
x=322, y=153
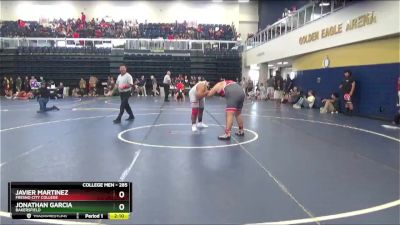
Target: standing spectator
x=124, y=84
x=11, y=83
x=1, y=86
x=270, y=87
x=7, y=89
x=43, y=98
x=288, y=84
x=348, y=86
x=396, y=120
x=60, y=91
x=398, y=91
x=154, y=85
x=26, y=86
x=167, y=83
x=278, y=86
x=82, y=86
x=18, y=84
x=83, y=19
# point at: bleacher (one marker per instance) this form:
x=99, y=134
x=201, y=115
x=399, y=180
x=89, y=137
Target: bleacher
x=58, y=64
x=63, y=50
x=70, y=64
x=157, y=64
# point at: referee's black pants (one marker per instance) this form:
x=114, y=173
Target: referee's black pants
x=125, y=104
x=166, y=92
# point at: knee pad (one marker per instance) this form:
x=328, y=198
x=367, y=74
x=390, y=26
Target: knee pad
x=195, y=112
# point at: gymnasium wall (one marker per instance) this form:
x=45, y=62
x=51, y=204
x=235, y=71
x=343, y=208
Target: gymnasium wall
x=387, y=22
x=375, y=66
x=243, y=15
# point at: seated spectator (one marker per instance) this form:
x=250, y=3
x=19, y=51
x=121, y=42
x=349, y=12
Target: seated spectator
x=76, y=93
x=135, y=87
x=108, y=91
x=262, y=92
x=180, y=87
x=112, y=92
x=80, y=28
x=23, y=95
x=142, y=87
x=331, y=105
x=252, y=94
x=292, y=96
x=306, y=102
x=93, y=85
x=192, y=81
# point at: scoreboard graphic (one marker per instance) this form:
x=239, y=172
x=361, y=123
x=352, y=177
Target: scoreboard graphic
x=70, y=200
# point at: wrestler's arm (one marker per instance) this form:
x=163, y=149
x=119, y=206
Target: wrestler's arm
x=214, y=90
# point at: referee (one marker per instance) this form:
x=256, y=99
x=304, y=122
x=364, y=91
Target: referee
x=124, y=84
x=167, y=83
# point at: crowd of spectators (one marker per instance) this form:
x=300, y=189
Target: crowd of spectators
x=150, y=85
x=108, y=28
x=27, y=88
x=283, y=91
x=23, y=88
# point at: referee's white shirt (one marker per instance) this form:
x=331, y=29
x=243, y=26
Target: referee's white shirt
x=167, y=79
x=124, y=79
